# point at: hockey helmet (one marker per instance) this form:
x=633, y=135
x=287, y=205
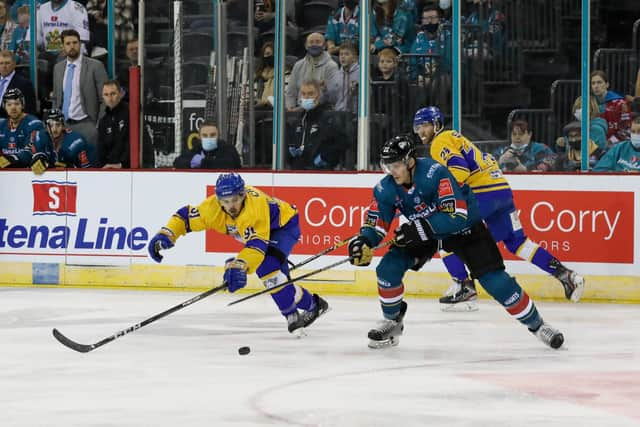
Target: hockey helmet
x=13, y=94
x=431, y=115
x=54, y=115
x=398, y=148
x=229, y=184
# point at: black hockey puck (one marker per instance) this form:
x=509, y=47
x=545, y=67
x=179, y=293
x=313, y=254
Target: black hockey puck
x=244, y=350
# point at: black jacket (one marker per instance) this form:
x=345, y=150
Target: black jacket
x=321, y=132
x=113, y=136
x=25, y=86
x=223, y=157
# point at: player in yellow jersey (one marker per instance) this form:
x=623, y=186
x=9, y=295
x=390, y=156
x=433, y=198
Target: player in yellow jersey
x=267, y=227
x=479, y=170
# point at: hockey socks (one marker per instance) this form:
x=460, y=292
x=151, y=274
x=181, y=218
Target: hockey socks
x=390, y=298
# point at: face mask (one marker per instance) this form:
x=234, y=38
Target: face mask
x=635, y=140
x=209, y=144
x=268, y=61
x=315, y=51
x=575, y=144
x=430, y=28
x=519, y=149
x=445, y=4
x=307, y=103
x=350, y=4
x=578, y=114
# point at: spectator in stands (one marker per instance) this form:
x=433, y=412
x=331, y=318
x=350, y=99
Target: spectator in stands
x=523, y=155
x=613, y=108
x=113, y=128
x=342, y=90
x=16, y=131
x=492, y=38
x=387, y=65
x=316, y=65
x=123, y=20
x=9, y=79
x=637, y=86
x=131, y=52
x=19, y=44
x=7, y=26
x=569, y=149
x=316, y=141
x=435, y=43
x=77, y=87
x=209, y=152
x=392, y=25
x=54, y=17
x=624, y=156
x=264, y=76
x=343, y=26
x=598, y=125
x=13, y=12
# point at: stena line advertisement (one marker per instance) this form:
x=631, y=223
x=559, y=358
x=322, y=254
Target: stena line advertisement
x=107, y=217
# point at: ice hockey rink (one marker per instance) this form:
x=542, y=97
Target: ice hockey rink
x=450, y=369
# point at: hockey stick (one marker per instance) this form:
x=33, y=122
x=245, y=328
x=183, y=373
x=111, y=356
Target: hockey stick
x=304, y=276
x=85, y=348
x=323, y=252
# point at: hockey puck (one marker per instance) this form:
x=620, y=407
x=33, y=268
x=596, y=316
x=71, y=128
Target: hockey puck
x=244, y=350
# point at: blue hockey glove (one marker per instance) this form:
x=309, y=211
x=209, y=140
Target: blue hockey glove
x=414, y=234
x=235, y=274
x=360, y=252
x=158, y=243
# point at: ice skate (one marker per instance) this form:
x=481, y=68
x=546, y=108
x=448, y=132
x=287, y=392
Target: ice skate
x=549, y=335
x=321, y=307
x=572, y=282
x=295, y=324
x=387, y=331
x=461, y=296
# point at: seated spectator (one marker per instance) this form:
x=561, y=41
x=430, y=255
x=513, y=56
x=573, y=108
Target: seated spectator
x=492, y=23
x=316, y=65
x=392, y=25
x=316, y=141
x=523, y=155
x=569, y=149
x=598, y=125
x=60, y=147
x=209, y=152
x=624, y=156
x=9, y=79
x=612, y=106
x=342, y=90
x=7, y=26
x=13, y=12
x=387, y=66
x=432, y=39
x=343, y=26
x=113, y=128
x=264, y=75
x=16, y=131
x=19, y=44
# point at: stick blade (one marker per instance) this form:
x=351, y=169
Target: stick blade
x=81, y=348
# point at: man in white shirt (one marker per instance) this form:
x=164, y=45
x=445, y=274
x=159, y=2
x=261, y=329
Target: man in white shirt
x=56, y=16
x=77, y=87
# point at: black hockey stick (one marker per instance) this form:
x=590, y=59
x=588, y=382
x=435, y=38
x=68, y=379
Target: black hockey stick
x=304, y=276
x=85, y=348
x=323, y=252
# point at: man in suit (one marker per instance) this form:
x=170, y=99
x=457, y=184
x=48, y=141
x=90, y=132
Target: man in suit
x=9, y=79
x=77, y=87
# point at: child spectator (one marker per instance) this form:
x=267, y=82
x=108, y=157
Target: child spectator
x=342, y=90
x=569, y=149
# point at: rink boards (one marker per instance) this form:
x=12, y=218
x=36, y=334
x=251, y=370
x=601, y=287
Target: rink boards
x=91, y=228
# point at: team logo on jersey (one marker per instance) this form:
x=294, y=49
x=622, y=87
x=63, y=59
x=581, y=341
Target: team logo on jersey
x=54, y=197
x=249, y=233
x=54, y=18
x=444, y=188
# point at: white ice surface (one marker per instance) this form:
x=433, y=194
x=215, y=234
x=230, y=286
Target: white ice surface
x=450, y=369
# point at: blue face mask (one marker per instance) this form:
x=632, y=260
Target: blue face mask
x=635, y=140
x=209, y=144
x=307, y=103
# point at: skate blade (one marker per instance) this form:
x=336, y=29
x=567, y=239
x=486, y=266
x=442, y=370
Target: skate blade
x=299, y=333
x=578, y=291
x=377, y=345
x=460, y=307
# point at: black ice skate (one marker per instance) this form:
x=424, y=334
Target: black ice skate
x=572, y=282
x=461, y=296
x=321, y=307
x=549, y=335
x=295, y=323
x=387, y=331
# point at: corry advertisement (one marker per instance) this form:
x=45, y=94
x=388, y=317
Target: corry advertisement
x=107, y=218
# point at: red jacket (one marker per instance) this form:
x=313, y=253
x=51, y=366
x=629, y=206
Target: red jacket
x=615, y=110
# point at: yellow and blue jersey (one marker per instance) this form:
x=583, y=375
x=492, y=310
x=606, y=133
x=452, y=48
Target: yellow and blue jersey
x=260, y=216
x=468, y=164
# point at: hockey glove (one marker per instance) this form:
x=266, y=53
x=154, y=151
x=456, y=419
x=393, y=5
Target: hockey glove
x=158, y=243
x=6, y=161
x=39, y=163
x=414, y=234
x=235, y=274
x=360, y=252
